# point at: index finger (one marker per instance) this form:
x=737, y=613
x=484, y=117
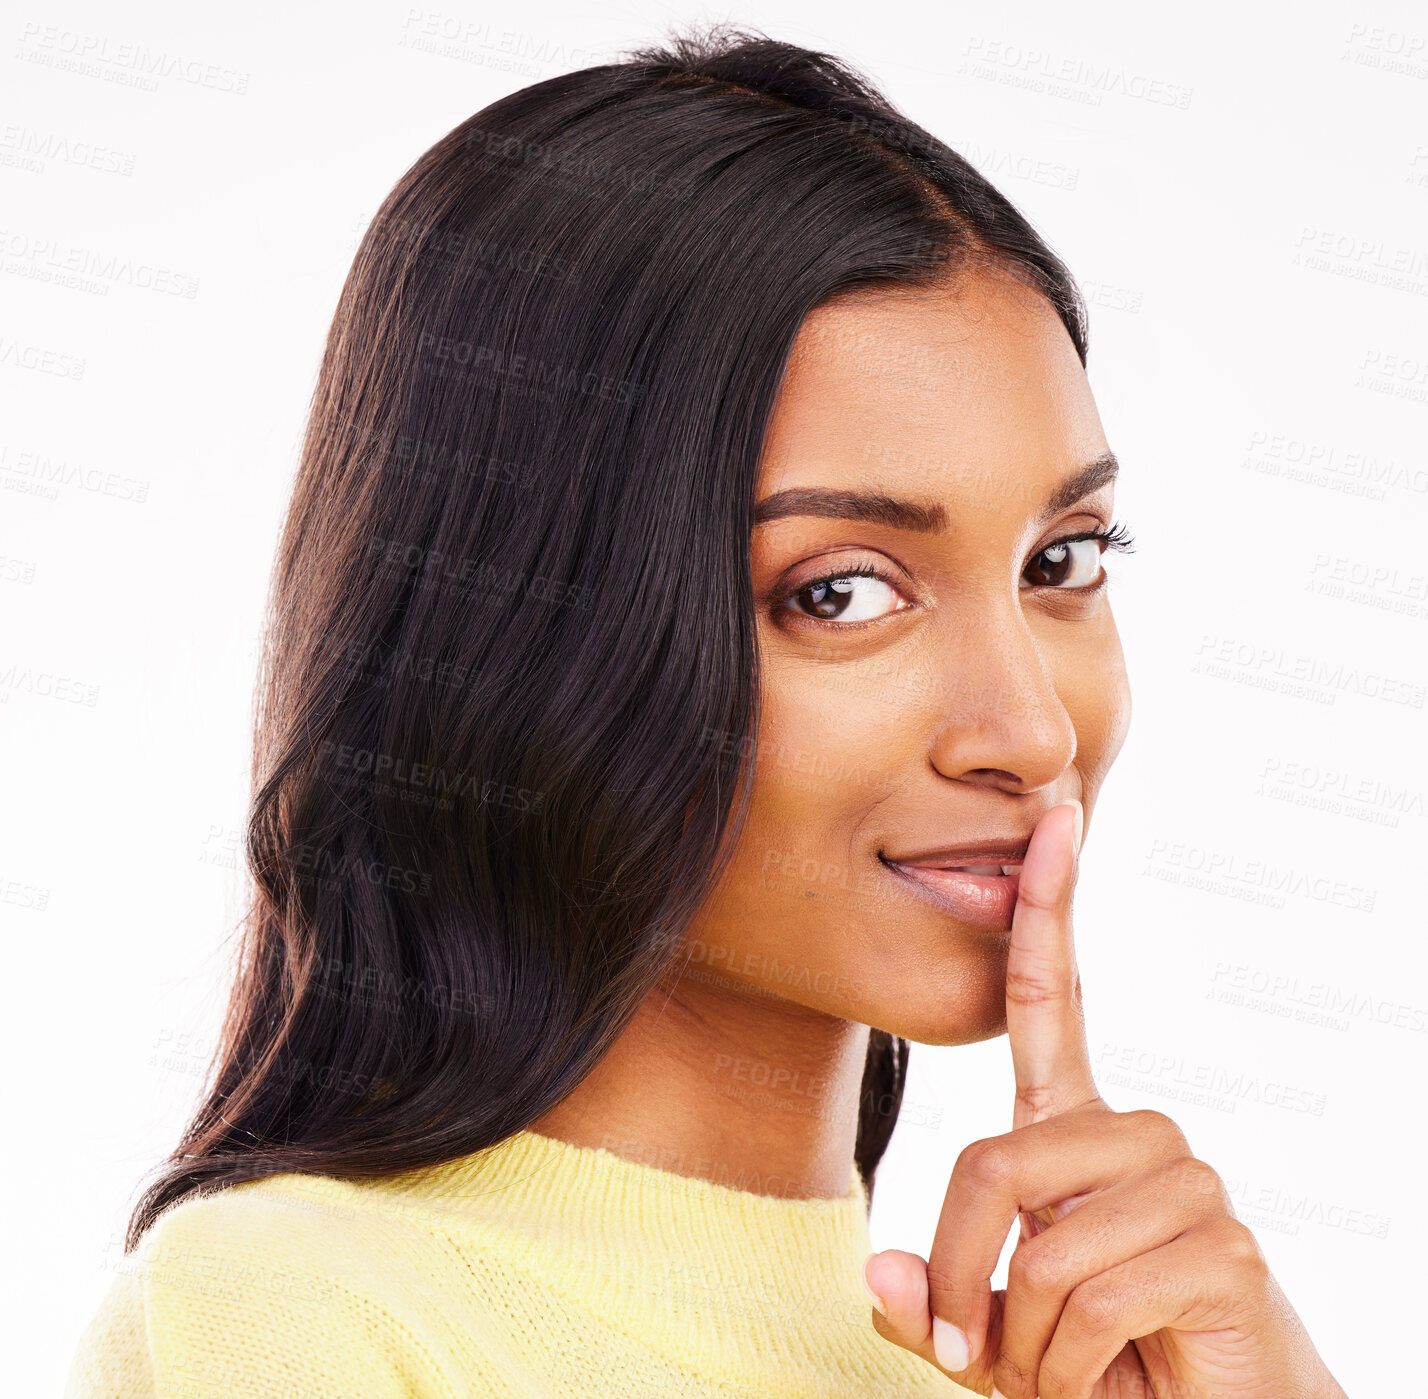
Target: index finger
x=1045, y=1027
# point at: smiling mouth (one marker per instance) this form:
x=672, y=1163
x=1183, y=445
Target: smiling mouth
x=982, y=895
x=975, y=869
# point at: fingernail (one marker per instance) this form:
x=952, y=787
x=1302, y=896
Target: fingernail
x=1080, y=826
x=949, y=1345
x=873, y=1296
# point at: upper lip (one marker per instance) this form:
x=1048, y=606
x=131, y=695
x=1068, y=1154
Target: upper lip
x=986, y=852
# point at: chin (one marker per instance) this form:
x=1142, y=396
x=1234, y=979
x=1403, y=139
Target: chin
x=973, y=1010
x=941, y=1032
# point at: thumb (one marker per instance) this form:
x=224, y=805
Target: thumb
x=902, y=1314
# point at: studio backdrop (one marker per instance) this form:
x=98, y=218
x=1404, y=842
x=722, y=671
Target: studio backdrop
x=1242, y=194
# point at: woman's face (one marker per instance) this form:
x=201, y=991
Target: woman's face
x=937, y=670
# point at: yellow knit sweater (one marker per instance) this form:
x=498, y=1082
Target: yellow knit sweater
x=536, y=1268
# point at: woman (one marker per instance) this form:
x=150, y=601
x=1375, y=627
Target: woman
x=670, y=405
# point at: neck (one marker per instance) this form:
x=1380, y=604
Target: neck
x=742, y=1089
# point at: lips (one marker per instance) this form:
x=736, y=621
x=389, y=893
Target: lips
x=975, y=886
x=980, y=869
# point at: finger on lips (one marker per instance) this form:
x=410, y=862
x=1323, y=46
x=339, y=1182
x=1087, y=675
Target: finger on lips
x=1124, y=1232
x=1025, y=1170
x=1067, y=1153
x=1045, y=1030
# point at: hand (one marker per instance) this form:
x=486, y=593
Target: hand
x=1132, y=1277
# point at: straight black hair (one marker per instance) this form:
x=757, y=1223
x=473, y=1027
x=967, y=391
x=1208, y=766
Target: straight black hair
x=502, y=737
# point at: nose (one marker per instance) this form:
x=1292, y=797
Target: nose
x=1001, y=723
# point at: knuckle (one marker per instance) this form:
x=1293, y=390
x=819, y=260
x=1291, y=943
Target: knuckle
x=1012, y=1379
x=1041, y=1271
x=1198, y=1183
x=1040, y=1099
x=943, y=1283
x=1095, y=1307
x=988, y=1165
x=1153, y=1126
x=1238, y=1246
x=1053, y=1384
x=1033, y=980
x=950, y=1294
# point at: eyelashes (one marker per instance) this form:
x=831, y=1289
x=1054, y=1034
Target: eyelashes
x=1118, y=537
x=1069, y=566
x=834, y=593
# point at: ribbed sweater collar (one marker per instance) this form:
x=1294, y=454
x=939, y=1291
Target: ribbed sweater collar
x=733, y=1264
x=598, y=1176
x=543, y=1180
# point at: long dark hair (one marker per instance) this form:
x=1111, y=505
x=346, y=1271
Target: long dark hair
x=510, y=666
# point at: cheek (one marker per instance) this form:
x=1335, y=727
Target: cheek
x=826, y=760
x=827, y=750
x=1095, y=689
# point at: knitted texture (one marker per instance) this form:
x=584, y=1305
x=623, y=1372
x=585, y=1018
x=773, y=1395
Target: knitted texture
x=536, y=1268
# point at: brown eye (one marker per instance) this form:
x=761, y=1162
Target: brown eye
x=847, y=597
x=1071, y=563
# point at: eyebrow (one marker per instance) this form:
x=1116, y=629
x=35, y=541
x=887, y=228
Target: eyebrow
x=879, y=508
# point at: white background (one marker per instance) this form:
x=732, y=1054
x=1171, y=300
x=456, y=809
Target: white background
x=1243, y=191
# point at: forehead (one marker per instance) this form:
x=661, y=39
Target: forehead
x=970, y=387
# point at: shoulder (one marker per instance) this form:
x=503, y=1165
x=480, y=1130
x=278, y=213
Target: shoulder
x=276, y=1235
x=112, y=1357
x=285, y=1286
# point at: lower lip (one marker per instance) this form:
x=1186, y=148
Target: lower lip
x=983, y=900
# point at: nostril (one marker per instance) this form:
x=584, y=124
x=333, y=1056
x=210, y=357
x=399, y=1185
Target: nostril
x=992, y=777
